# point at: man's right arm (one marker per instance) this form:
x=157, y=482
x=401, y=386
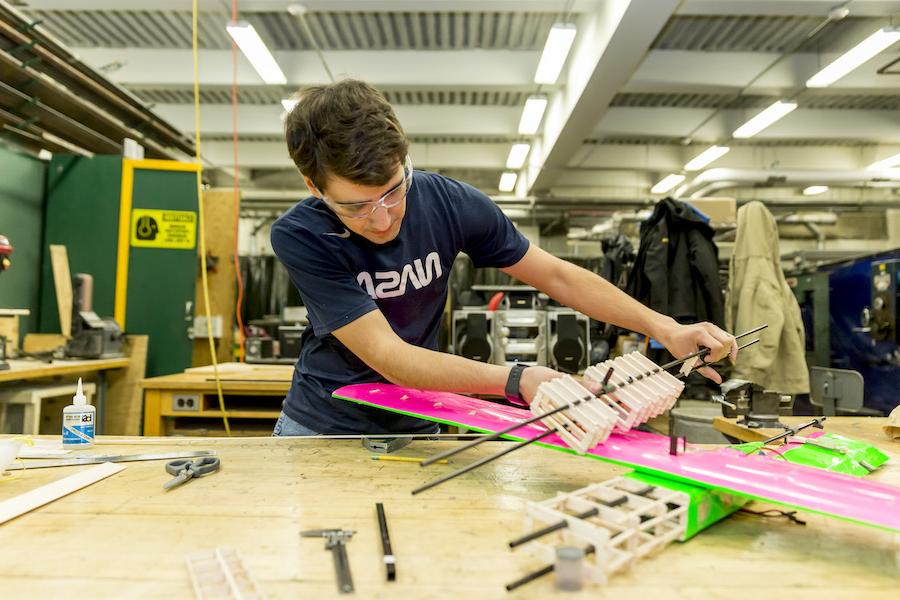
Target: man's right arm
x=372, y=339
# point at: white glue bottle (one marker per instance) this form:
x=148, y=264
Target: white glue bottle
x=78, y=422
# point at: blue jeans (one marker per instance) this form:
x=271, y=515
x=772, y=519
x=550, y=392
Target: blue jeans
x=287, y=427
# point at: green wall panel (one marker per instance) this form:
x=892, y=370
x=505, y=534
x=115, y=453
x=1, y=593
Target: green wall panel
x=82, y=214
x=161, y=280
x=22, y=181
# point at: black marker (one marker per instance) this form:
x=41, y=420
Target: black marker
x=386, y=543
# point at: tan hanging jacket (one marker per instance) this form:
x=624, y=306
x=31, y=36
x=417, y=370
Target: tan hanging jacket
x=757, y=294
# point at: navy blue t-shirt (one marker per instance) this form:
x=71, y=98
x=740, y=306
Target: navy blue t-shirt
x=342, y=277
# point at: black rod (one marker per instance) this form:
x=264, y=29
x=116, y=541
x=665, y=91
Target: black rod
x=609, y=388
x=551, y=528
x=493, y=436
x=705, y=351
x=481, y=462
x=817, y=422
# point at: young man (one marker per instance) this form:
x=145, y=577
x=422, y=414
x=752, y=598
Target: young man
x=370, y=253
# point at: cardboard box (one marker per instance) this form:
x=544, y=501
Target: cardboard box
x=721, y=211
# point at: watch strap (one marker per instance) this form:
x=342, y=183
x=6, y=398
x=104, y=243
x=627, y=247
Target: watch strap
x=513, y=394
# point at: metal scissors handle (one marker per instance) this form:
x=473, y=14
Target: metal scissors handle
x=185, y=470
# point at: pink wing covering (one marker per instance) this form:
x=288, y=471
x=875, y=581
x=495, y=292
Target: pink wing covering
x=769, y=479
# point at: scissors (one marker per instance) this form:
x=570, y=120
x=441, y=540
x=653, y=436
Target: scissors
x=185, y=470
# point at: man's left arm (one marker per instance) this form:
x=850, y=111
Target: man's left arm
x=595, y=297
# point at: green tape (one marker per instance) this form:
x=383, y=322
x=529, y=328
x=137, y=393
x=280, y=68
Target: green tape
x=831, y=452
x=707, y=505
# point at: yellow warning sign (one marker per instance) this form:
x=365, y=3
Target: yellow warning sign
x=151, y=228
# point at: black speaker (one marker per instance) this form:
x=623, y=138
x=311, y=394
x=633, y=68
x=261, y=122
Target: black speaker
x=475, y=342
x=568, y=349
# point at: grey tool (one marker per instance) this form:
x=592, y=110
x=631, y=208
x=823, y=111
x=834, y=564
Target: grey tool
x=385, y=445
x=97, y=459
x=185, y=470
x=336, y=541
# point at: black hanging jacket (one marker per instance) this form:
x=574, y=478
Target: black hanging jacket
x=677, y=267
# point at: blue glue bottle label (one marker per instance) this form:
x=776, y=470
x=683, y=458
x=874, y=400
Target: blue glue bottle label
x=78, y=429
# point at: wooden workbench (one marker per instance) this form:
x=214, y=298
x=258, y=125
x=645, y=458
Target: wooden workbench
x=27, y=370
x=124, y=537
x=253, y=393
x=20, y=370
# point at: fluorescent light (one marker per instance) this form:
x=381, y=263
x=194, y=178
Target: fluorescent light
x=854, y=57
x=707, y=156
x=288, y=104
x=815, y=190
x=517, y=155
x=556, y=49
x=885, y=163
x=245, y=36
x=764, y=119
x=532, y=115
x=507, y=182
x=666, y=183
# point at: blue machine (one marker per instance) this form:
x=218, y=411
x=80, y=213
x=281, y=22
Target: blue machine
x=863, y=329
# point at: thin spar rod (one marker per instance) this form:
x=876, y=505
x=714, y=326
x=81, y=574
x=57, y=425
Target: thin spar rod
x=493, y=436
x=481, y=462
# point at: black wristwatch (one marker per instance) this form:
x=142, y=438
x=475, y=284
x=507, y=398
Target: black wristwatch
x=512, y=384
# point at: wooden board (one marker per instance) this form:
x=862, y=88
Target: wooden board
x=9, y=328
x=24, y=503
x=43, y=342
x=132, y=539
x=34, y=369
x=124, y=405
x=62, y=281
x=219, y=216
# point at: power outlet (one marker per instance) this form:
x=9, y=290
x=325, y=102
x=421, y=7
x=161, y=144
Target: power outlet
x=186, y=402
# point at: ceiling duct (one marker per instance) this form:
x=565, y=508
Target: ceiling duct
x=713, y=180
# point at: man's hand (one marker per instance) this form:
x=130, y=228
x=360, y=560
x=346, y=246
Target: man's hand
x=532, y=377
x=682, y=340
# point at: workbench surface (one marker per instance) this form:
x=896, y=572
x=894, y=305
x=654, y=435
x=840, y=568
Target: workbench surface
x=34, y=369
x=124, y=537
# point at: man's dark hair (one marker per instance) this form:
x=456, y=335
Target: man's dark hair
x=346, y=129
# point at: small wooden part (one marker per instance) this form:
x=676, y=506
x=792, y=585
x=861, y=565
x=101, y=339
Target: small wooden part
x=743, y=433
x=220, y=574
x=42, y=342
x=62, y=280
x=19, y=505
x=620, y=531
x=640, y=390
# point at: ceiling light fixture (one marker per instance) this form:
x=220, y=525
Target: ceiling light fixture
x=288, y=104
x=556, y=50
x=532, y=115
x=517, y=155
x=863, y=52
x=768, y=116
x=246, y=38
x=507, y=182
x=667, y=183
x=709, y=155
x=815, y=190
x=885, y=163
